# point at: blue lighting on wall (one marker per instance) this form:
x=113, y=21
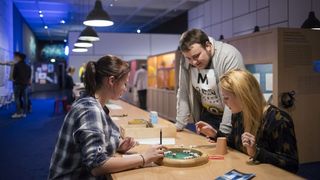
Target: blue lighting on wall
x=53, y=51
x=316, y=66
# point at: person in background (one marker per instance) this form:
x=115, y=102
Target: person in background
x=140, y=83
x=21, y=80
x=69, y=85
x=28, y=89
x=259, y=129
x=89, y=138
x=198, y=97
x=82, y=72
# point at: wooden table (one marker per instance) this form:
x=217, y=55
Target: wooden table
x=214, y=168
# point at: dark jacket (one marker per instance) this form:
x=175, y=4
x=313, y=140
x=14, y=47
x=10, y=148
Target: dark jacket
x=69, y=82
x=21, y=73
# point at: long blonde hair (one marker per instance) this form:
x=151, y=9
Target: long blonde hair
x=245, y=87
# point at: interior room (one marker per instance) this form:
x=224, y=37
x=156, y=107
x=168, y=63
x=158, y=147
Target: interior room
x=150, y=89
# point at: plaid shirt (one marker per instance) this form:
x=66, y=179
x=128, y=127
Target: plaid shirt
x=87, y=139
x=276, y=141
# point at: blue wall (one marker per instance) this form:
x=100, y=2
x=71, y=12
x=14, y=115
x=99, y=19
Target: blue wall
x=17, y=30
x=6, y=45
x=15, y=35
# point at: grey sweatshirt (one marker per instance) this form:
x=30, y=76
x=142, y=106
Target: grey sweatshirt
x=225, y=58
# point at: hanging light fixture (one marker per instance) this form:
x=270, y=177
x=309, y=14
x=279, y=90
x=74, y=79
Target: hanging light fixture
x=83, y=44
x=98, y=17
x=79, y=49
x=89, y=34
x=256, y=29
x=312, y=22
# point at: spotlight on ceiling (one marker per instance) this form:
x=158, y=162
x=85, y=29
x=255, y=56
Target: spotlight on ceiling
x=138, y=31
x=89, y=34
x=221, y=37
x=45, y=27
x=98, y=17
x=312, y=22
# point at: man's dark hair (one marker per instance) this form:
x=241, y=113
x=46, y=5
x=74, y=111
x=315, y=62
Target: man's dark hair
x=144, y=66
x=191, y=37
x=20, y=55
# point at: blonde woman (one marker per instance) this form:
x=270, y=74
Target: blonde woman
x=261, y=130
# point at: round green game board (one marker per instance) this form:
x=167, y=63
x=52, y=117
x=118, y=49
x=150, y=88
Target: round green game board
x=184, y=157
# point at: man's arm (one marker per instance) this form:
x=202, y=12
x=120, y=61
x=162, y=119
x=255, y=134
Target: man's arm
x=135, y=79
x=183, y=109
x=232, y=60
x=7, y=63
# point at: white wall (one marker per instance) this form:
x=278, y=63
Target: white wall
x=237, y=17
x=127, y=46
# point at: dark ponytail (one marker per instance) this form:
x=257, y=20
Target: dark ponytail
x=106, y=66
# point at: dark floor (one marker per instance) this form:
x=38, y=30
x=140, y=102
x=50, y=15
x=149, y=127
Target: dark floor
x=26, y=144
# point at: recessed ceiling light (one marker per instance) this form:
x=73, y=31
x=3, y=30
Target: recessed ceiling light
x=41, y=15
x=52, y=60
x=138, y=31
x=45, y=27
x=62, y=21
x=65, y=40
x=40, y=12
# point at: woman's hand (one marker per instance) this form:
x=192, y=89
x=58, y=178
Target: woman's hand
x=249, y=141
x=205, y=129
x=126, y=144
x=154, y=153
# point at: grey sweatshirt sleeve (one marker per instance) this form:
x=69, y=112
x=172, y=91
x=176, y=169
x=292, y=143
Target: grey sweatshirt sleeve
x=183, y=109
x=231, y=59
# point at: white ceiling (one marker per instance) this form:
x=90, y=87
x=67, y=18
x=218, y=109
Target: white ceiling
x=128, y=15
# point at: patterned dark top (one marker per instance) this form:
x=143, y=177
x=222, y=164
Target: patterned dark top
x=276, y=141
x=87, y=139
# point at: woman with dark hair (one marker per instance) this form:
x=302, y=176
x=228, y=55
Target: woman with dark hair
x=89, y=138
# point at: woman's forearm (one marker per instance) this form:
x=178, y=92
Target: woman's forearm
x=116, y=164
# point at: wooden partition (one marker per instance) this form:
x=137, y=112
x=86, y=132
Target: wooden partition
x=291, y=53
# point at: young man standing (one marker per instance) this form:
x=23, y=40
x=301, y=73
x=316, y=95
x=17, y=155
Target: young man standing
x=140, y=82
x=198, y=97
x=21, y=79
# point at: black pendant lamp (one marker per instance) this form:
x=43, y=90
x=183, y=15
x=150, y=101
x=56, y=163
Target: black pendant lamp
x=79, y=49
x=98, y=17
x=83, y=44
x=256, y=29
x=312, y=22
x=89, y=34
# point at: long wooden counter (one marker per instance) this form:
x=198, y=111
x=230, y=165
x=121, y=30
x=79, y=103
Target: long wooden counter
x=214, y=168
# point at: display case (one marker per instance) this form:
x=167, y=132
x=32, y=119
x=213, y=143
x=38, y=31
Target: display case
x=161, y=71
x=162, y=84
